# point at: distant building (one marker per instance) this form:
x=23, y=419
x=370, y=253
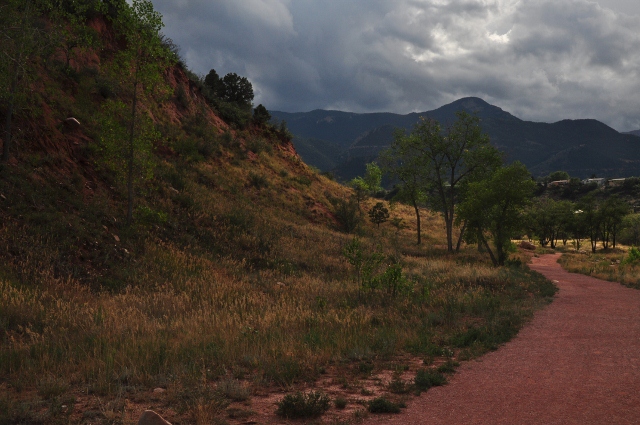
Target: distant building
x=615, y=182
x=598, y=181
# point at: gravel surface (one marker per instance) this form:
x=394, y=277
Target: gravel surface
x=576, y=362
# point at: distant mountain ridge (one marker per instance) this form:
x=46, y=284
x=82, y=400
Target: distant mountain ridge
x=581, y=147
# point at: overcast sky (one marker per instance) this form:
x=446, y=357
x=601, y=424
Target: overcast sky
x=541, y=60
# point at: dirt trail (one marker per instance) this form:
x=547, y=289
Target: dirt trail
x=576, y=362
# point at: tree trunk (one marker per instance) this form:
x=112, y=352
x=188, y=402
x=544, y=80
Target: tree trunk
x=415, y=207
x=486, y=246
x=7, y=132
x=131, y=153
x=464, y=226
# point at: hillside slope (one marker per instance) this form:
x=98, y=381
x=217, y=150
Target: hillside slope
x=234, y=280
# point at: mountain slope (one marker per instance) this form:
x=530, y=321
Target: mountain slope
x=580, y=147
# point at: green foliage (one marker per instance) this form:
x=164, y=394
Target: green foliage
x=365, y=263
x=299, y=405
x=427, y=378
x=378, y=214
x=347, y=212
x=633, y=256
x=557, y=175
x=114, y=154
x=441, y=163
x=494, y=208
x=214, y=84
x=236, y=89
x=394, y=281
x=260, y=115
x=382, y=405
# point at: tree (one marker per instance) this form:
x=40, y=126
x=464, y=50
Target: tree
x=260, y=115
x=557, y=175
x=237, y=89
x=214, y=84
x=548, y=220
x=612, y=212
x=378, y=214
x=139, y=65
x=402, y=162
x=22, y=39
x=370, y=183
x=494, y=208
x=590, y=219
x=631, y=229
x=448, y=160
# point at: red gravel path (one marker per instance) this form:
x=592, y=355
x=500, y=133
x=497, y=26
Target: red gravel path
x=576, y=362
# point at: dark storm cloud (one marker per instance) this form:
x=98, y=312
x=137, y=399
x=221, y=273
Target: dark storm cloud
x=539, y=59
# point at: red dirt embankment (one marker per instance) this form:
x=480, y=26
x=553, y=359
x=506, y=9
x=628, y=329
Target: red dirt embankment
x=576, y=362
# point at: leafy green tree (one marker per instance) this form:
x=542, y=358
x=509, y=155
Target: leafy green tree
x=402, y=162
x=590, y=219
x=237, y=89
x=612, y=212
x=449, y=160
x=367, y=185
x=139, y=67
x=548, y=220
x=630, y=234
x=494, y=208
x=23, y=39
x=378, y=214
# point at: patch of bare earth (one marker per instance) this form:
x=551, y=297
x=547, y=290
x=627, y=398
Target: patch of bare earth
x=576, y=362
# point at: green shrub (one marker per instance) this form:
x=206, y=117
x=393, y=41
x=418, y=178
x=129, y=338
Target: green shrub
x=427, y=378
x=633, y=256
x=298, y=405
x=382, y=405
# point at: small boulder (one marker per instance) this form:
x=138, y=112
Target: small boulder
x=527, y=245
x=159, y=390
x=149, y=417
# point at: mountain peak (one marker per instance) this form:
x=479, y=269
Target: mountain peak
x=474, y=105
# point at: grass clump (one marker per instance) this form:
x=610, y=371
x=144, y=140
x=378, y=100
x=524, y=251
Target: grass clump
x=340, y=402
x=299, y=405
x=427, y=378
x=382, y=405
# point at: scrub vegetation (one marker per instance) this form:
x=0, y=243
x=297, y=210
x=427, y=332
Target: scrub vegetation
x=219, y=268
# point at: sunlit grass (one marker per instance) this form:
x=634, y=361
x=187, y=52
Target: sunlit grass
x=607, y=265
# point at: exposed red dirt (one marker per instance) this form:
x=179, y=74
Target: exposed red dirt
x=576, y=362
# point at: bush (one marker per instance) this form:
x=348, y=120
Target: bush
x=382, y=405
x=347, y=213
x=300, y=405
x=427, y=378
x=633, y=256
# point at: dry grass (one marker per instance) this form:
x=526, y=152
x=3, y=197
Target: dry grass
x=185, y=313
x=607, y=265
